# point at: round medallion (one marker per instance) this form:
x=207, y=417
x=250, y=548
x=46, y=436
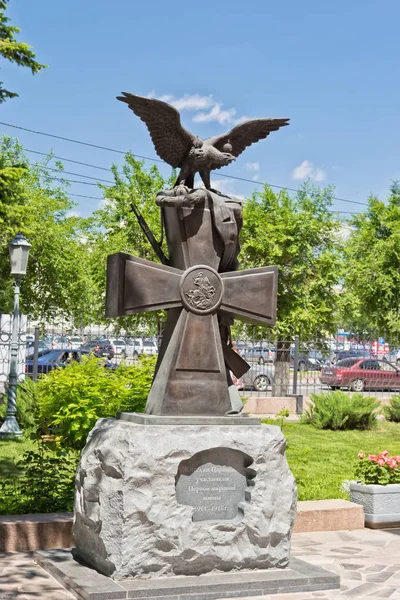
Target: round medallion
x=201, y=289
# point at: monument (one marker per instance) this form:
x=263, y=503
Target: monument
x=176, y=501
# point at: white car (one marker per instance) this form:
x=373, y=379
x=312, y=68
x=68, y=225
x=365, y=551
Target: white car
x=74, y=342
x=134, y=347
x=119, y=346
x=149, y=347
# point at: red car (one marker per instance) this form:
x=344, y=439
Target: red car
x=358, y=374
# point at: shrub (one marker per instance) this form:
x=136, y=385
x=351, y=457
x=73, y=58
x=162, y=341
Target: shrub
x=379, y=469
x=43, y=480
x=26, y=405
x=71, y=399
x=392, y=411
x=338, y=410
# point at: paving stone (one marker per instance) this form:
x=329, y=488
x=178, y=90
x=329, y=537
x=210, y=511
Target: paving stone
x=362, y=590
x=379, y=577
x=386, y=592
x=374, y=568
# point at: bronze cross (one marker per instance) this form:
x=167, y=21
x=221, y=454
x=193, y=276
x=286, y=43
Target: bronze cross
x=190, y=375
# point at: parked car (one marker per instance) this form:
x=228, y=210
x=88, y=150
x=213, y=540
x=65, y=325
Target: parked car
x=394, y=357
x=99, y=347
x=59, y=341
x=307, y=361
x=41, y=352
x=343, y=354
x=134, y=347
x=58, y=358
x=258, y=378
x=30, y=346
x=119, y=346
x=150, y=347
x=75, y=342
x=359, y=374
x=259, y=354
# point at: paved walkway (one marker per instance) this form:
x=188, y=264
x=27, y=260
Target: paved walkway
x=368, y=563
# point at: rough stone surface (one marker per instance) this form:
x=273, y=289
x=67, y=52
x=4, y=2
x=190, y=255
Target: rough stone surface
x=128, y=522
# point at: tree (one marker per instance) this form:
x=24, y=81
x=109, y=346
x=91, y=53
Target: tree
x=115, y=228
x=300, y=235
x=372, y=276
x=58, y=281
x=14, y=51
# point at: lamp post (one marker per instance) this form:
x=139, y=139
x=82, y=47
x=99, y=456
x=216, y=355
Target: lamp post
x=19, y=253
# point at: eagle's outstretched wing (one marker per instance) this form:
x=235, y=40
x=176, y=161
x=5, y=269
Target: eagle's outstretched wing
x=246, y=133
x=171, y=141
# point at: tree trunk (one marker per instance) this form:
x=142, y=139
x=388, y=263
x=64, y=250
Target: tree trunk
x=282, y=370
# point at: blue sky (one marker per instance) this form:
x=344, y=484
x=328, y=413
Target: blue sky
x=331, y=67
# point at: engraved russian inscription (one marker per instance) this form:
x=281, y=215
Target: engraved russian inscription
x=215, y=482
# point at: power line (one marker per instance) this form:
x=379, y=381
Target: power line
x=75, y=174
x=83, y=196
x=77, y=162
x=153, y=160
x=65, y=139
x=222, y=175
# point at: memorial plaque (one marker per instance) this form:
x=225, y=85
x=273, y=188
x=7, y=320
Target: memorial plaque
x=216, y=483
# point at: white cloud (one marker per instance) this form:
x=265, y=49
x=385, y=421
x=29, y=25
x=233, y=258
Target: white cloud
x=210, y=109
x=253, y=166
x=218, y=114
x=73, y=213
x=187, y=101
x=193, y=102
x=307, y=171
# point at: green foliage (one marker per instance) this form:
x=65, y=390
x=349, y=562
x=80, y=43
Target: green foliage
x=392, y=411
x=299, y=234
x=42, y=480
x=26, y=405
x=372, y=275
x=380, y=469
x=71, y=399
x=14, y=51
x=59, y=279
x=114, y=228
x=337, y=410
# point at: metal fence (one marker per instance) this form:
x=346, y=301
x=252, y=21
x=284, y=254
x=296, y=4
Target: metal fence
x=297, y=366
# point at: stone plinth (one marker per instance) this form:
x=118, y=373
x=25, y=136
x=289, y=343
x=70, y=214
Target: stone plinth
x=160, y=500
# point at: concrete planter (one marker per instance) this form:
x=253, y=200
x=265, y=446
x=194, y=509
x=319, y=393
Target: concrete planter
x=381, y=504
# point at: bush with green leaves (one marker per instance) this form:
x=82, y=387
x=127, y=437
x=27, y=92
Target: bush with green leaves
x=338, y=410
x=26, y=405
x=42, y=480
x=71, y=399
x=392, y=411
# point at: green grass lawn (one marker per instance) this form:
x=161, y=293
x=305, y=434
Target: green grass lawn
x=10, y=452
x=321, y=459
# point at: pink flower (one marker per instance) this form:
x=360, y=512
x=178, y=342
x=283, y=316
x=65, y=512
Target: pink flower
x=381, y=462
x=392, y=462
x=397, y=458
x=384, y=452
x=372, y=457
x=361, y=455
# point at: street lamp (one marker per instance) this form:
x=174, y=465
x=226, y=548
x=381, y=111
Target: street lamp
x=19, y=253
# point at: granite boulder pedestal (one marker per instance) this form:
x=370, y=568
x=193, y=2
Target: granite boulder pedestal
x=173, y=499
x=184, y=508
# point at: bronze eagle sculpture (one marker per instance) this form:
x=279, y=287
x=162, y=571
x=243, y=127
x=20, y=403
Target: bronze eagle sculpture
x=181, y=149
